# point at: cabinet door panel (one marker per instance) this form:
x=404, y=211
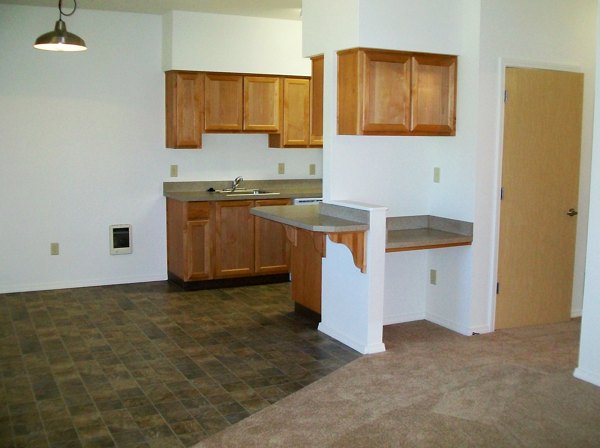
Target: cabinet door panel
x=234, y=238
x=262, y=99
x=223, y=102
x=306, y=269
x=271, y=248
x=386, y=92
x=184, y=108
x=296, y=112
x=434, y=94
x=316, y=101
x=198, y=247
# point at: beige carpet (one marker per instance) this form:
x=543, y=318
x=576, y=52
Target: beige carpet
x=435, y=388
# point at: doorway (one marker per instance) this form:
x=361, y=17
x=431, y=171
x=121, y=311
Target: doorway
x=540, y=179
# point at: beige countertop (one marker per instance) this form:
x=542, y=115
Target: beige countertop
x=325, y=218
x=197, y=191
x=423, y=232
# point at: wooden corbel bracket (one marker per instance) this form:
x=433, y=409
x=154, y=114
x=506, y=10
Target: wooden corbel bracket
x=355, y=241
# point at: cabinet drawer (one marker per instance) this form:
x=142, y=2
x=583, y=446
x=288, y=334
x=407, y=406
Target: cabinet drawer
x=198, y=210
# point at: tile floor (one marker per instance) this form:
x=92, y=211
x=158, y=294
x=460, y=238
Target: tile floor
x=149, y=365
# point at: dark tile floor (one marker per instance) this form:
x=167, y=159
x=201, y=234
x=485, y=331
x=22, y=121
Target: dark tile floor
x=148, y=365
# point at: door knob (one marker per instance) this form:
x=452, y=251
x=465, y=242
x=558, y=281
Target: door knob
x=572, y=212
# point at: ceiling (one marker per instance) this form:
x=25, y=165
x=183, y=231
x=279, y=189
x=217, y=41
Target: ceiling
x=275, y=9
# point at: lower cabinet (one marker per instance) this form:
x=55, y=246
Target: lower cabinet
x=271, y=246
x=222, y=240
x=234, y=238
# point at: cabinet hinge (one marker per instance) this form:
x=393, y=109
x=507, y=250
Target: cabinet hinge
x=498, y=288
x=501, y=193
x=506, y=96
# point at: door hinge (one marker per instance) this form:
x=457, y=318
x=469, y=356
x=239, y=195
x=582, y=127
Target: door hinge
x=506, y=96
x=498, y=288
x=501, y=193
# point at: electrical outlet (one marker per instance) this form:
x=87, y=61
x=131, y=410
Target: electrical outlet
x=54, y=249
x=174, y=170
x=433, y=277
x=281, y=168
x=312, y=169
x=436, y=175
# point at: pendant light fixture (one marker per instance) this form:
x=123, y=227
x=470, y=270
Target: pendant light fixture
x=60, y=39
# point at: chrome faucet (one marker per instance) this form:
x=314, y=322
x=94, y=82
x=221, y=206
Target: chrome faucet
x=236, y=182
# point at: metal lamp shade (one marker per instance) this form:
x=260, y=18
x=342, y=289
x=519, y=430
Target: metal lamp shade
x=60, y=40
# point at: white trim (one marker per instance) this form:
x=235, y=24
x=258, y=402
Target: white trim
x=451, y=325
x=401, y=318
x=80, y=283
x=588, y=376
x=577, y=312
x=351, y=342
x=503, y=64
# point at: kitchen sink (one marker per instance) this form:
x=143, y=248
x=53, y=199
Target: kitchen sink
x=245, y=192
x=251, y=193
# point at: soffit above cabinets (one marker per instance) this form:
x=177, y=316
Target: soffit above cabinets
x=274, y=9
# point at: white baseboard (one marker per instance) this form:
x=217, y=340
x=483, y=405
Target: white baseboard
x=585, y=375
x=5, y=289
x=401, y=318
x=449, y=324
x=351, y=342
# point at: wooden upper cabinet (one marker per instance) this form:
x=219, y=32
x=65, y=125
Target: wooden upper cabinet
x=316, y=101
x=296, y=111
x=433, y=94
x=295, y=130
x=223, y=103
x=184, y=109
x=386, y=92
x=262, y=103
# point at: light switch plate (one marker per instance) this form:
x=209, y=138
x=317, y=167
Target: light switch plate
x=281, y=168
x=433, y=277
x=312, y=169
x=436, y=175
x=54, y=249
x=174, y=170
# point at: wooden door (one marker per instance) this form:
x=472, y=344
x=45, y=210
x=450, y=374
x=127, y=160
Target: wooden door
x=316, y=101
x=262, y=100
x=223, y=102
x=296, y=111
x=540, y=176
x=386, y=92
x=271, y=246
x=433, y=92
x=184, y=109
x=234, y=238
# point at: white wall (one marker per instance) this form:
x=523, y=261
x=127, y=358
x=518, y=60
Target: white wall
x=214, y=42
x=81, y=149
x=83, y=146
x=589, y=350
x=535, y=32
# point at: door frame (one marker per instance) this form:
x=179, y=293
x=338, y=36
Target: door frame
x=503, y=64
